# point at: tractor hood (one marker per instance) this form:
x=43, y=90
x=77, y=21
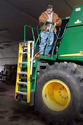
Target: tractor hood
x=71, y=47
x=76, y=16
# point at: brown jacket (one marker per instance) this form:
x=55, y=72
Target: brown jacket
x=55, y=19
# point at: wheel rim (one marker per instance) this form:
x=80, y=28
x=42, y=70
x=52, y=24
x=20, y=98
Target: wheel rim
x=56, y=95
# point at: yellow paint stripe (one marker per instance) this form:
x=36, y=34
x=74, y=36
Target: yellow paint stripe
x=76, y=54
x=28, y=73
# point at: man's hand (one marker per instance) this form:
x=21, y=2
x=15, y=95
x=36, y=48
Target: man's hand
x=48, y=21
x=54, y=24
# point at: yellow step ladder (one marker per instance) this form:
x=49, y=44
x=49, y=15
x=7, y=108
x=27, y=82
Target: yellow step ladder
x=28, y=49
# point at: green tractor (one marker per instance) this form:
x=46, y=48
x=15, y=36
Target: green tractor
x=53, y=84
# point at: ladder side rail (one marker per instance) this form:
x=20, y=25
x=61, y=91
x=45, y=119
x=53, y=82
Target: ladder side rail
x=18, y=69
x=28, y=72
x=32, y=57
x=21, y=53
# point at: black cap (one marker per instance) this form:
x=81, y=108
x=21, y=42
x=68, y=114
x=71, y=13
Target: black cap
x=50, y=6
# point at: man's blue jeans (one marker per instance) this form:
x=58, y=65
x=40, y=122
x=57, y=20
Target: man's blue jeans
x=46, y=38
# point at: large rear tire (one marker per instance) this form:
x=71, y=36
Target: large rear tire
x=58, y=93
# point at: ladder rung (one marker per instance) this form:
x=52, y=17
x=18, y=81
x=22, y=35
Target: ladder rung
x=23, y=63
x=23, y=53
x=25, y=48
x=22, y=83
x=23, y=77
x=21, y=93
x=24, y=73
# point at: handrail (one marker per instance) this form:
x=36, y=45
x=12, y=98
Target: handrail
x=39, y=34
x=33, y=34
x=48, y=40
x=57, y=37
x=30, y=28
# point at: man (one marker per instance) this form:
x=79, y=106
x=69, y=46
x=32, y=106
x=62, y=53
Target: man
x=47, y=36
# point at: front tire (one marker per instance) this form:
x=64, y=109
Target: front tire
x=57, y=96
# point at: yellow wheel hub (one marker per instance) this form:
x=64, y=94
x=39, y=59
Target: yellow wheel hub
x=56, y=95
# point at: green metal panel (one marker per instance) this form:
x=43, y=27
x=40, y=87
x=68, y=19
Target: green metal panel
x=76, y=16
x=34, y=73
x=72, y=43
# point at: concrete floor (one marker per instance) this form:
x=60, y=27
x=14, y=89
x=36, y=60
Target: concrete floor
x=12, y=113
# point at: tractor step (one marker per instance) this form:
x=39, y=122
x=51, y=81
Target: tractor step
x=22, y=73
x=25, y=48
x=22, y=83
x=23, y=53
x=21, y=93
x=23, y=63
